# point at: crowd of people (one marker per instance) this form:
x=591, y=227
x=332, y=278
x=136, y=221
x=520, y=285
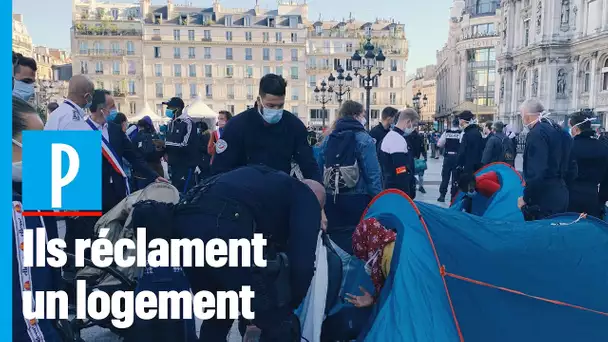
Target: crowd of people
x=236, y=179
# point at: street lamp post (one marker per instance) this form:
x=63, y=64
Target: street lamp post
x=323, y=96
x=419, y=101
x=342, y=87
x=367, y=64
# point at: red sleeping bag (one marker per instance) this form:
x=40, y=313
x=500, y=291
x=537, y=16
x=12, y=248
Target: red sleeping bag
x=487, y=184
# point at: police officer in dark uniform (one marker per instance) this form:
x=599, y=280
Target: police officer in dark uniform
x=450, y=142
x=181, y=145
x=267, y=135
x=546, y=164
x=237, y=204
x=591, y=157
x=471, y=146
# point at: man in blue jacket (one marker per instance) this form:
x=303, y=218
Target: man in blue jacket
x=266, y=135
x=237, y=204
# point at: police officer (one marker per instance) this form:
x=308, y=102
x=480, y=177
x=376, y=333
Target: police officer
x=450, y=142
x=267, y=135
x=396, y=157
x=181, y=145
x=237, y=204
x=591, y=157
x=471, y=145
x=546, y=162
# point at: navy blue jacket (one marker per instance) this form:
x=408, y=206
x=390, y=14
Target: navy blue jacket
x=546, y=160
x=591, y=158
x=378, y=133
x=397, y=160
x=182, y=143
x=471, y=149
x=43, y=279
x=250, y=140
x=285, y=209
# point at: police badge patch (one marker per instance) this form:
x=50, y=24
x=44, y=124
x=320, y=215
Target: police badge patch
x=221, y=146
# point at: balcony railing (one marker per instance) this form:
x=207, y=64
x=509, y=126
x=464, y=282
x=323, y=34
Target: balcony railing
x=209, y=96
x=159, y=95
x=294, y=77
x=103, y=52
x=106, y=31
x=118, y=93
x=132, y=93
x=469, y=36
x=99, y=72
x=481, y=64
x=206, y=39
x=156, y=37
x=231, y=96
x=249, y=97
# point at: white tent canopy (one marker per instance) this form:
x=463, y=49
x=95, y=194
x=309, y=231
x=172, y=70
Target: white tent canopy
x=146, y=111
x=199, y=110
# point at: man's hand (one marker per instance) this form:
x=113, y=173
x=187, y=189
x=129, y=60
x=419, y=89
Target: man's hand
x=161, y=180
x=360, y=301
x=520, y=203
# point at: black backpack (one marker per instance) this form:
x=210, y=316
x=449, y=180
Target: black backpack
x=341, y=170
x=508, y=151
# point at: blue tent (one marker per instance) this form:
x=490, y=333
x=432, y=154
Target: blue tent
x=461, y=277
x=503, y=204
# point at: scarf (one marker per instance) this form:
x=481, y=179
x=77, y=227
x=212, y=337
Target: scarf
x=369, y=239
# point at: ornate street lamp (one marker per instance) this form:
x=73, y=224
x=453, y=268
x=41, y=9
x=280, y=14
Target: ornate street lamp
x=342, y=87
x=366, y=64
x=416, y=99
x=323, y=96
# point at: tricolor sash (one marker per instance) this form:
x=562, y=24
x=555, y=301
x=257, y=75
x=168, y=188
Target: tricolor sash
x=111, y=156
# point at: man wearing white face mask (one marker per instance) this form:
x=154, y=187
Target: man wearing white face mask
x=24, y=76
x=546, y=163
x=33, y=278
x=266, y=134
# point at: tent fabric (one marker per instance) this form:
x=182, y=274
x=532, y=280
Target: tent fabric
x=448, y=268
x=146, y=111
x=199, y=110
x=502, y=205
x=312, y=311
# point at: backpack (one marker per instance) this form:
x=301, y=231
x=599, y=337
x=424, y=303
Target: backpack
x=508, y=151
x=341, y=170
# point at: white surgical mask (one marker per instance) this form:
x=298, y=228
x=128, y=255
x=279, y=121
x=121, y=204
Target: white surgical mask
x=271, y=116
x=23, y=90
x=368, y=264
x=363, y=121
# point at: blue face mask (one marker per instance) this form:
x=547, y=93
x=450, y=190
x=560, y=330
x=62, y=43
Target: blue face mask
x=271, y=116
x=169, y=113
x=89, y=102
x=112, y=115
x=23, y=90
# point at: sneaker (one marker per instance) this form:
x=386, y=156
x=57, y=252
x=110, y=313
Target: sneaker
x=421, y=189
x=441, y=199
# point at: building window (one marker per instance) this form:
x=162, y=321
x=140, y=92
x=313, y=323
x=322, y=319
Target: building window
x=526, y=32
x=266, y=54
x=99, y=68
x=158, y=70
x=587, y=78
x=249, y=72
x=349, y=64
x=176, y=34
x=248, y=54
x=230, y=91
x=278, y=36
x=265, y=70
x=208, y=91
x=207, y=52
x=84, y=48
x=84, y=67
x=248, y=36
x=115, y=49
x=279, y=70
x=133, y=107
x=191, y=52
x=349, y=47
x=247, y=21
x=375, y=114
x=159, y=89
x=293, y=21
x=178, y=90
x=131, y=67
x=229, y=54
x=278, y=54
x=336, y=63
x=250, y=92
x=393, y=65
x=312, y=81
x=208, y=71
x=295, y=94
x=207, y=35
x=177, y=53
x=391, y=83
x=228, y=20
x=605, y=76
x=294, y=55
x=229, y=36
x=191, y=35
x=116, y=68
x=294, y=72
x=192, y=70
x=393, y=98
x=294, y=37
x=524, y=85
x=265, y=37
x=177, y=70
x=193, y=90
x=130, y=48
x=229, y=70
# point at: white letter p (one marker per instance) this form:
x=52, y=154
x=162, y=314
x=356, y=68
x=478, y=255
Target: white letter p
x=57, y=181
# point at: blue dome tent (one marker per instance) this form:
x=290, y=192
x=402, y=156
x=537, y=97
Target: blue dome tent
x=461, y=277
x=502, y=205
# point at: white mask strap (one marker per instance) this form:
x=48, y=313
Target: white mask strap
x=17, y=143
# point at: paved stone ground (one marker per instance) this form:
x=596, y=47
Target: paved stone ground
x=432, y=180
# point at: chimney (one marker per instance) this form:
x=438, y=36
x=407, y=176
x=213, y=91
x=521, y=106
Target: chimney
x=18, y=17
x=169, y=9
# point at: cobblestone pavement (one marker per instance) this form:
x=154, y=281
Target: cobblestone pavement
x=432, y=180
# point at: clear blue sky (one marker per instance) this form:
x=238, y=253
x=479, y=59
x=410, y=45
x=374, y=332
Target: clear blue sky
x=426, y=22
